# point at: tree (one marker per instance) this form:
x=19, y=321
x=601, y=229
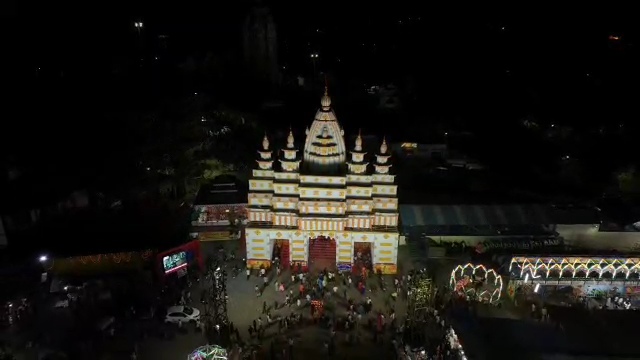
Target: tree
x=628, y=181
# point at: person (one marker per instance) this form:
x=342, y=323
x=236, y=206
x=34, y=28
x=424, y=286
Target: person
x=248, y=273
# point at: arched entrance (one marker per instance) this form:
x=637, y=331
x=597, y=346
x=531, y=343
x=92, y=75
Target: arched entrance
x=322, y=252
x=362, y=256
x=282, y=251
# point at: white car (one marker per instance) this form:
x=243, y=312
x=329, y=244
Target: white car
x=182, y=314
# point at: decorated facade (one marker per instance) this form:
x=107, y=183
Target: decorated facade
x=323, y=201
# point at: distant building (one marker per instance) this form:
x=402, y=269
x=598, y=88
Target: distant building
x=261, y=46
x=414, y=149
x=216, y=206
x=3, y=234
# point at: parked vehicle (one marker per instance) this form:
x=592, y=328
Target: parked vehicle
x=182, y=314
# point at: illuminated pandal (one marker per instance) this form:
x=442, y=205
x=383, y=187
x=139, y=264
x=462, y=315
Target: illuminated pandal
x=208, y=352
x=572, y=266
x=458, y=275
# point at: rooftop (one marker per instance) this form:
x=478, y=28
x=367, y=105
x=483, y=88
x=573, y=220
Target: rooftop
x=222, y=190
x=470, y=215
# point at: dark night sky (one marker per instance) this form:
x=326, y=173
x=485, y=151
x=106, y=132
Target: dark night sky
x=68, y=67
x=457, y=58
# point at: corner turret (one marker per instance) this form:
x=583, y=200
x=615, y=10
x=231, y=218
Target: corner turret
x=382, y=164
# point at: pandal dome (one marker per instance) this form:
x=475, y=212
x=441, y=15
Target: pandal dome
x=208, y=352
x=324, y=146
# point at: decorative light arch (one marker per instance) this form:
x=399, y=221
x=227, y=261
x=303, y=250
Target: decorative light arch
x=571, y=267
x=459, y=272
x=208, y=352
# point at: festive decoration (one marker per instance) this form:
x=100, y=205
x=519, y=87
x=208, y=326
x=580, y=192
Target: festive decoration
x=118, y=258
x=572, y=267
x=318, y=308
x=461, y=281
x=257, y=263
x=386, y=269
x=208, y=352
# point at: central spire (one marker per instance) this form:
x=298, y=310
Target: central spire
x=326, y=100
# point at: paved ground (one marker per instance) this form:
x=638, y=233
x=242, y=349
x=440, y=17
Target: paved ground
x=244, y=307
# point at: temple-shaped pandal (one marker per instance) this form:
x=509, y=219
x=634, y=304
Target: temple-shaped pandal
x=325, y=205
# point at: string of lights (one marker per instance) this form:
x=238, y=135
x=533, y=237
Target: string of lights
x=574, y=266
x=420, y=296
x=215, y=302
x=208, y=352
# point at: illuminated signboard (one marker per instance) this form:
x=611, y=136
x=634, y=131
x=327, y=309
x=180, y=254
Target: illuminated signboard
x=174, y=262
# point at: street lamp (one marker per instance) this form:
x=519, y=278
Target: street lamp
x=314, y=58
x=139, y=25
x=43, y=258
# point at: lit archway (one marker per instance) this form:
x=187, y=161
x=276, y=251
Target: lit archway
x=477, y=280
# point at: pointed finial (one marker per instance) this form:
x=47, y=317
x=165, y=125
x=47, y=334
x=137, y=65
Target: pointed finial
x=326, y=85
x=290, y=139
x=265, y=142
x=383, y=147
x=326, y=100
x=359, y=141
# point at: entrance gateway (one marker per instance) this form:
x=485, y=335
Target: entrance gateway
x=323, y=200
